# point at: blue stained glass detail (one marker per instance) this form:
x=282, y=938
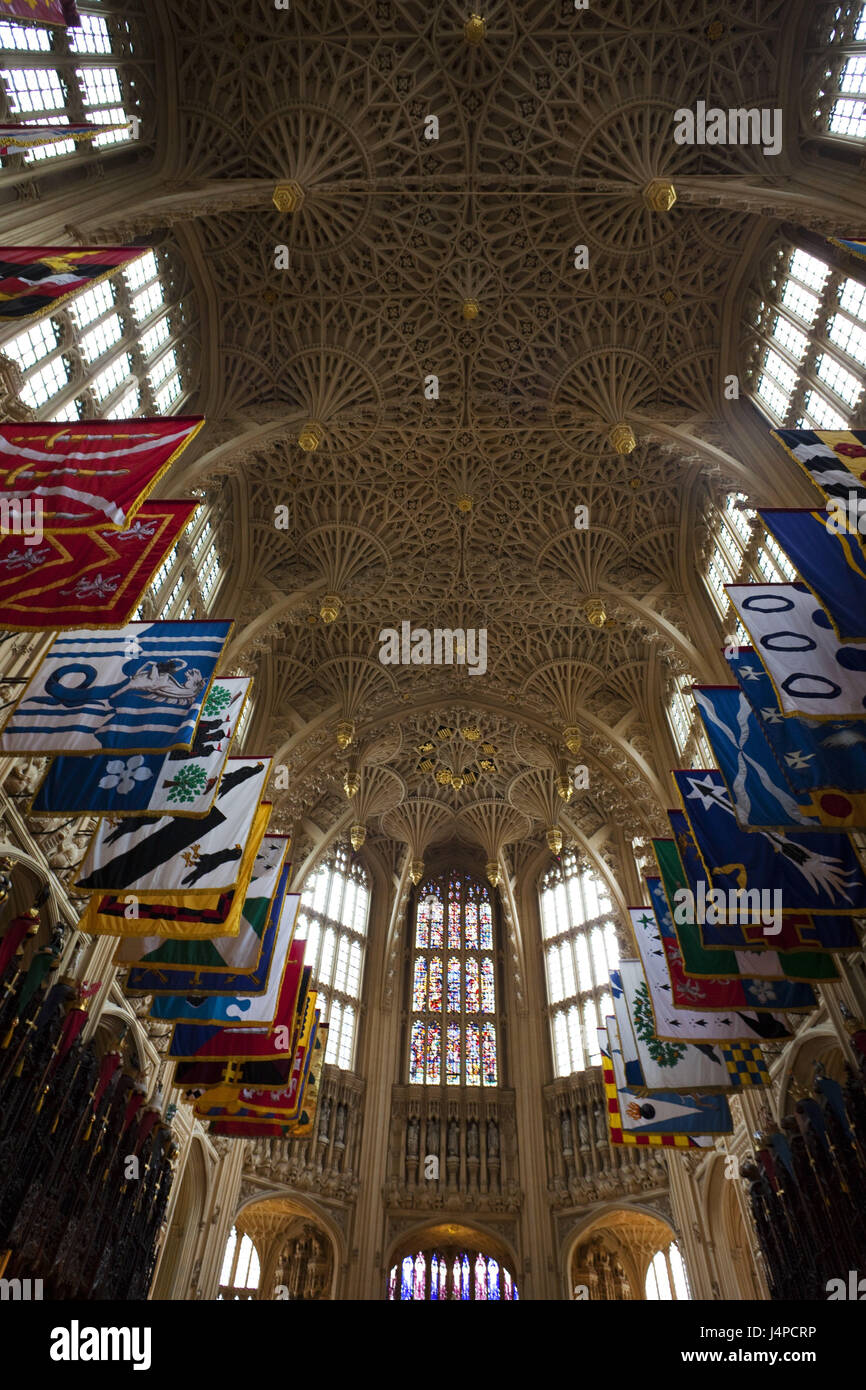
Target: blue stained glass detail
x=420, y=1283
x=416, y=1054
x=486, y=927
x=434, y=1279
x=408, y=1270
x=492, y=1279
x=464, y=1291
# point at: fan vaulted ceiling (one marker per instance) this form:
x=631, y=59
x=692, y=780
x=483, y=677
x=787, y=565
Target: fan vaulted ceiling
x=549, y=132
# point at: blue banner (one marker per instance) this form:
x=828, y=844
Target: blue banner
x=830, y=560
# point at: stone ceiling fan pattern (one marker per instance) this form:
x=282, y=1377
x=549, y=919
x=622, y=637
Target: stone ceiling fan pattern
x=442, y=454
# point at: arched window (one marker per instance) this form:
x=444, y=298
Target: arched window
x=807, y=362
x=112, y=352
x=56, y=76
x=239, y=1278
x=685, y=725
x=580, y=950
x=742, y=551
x=836, y=83
x=434, y=1276
x=453, y=1031
x=333, y=921
x=666, y=1277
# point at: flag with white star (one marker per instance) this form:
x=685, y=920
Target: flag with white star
x=824, y=761
x=673, y=1022
x=812, y=872
x=757, y=788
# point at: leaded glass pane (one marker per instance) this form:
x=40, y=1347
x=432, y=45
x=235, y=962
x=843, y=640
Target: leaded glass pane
x=486, y=911
x=473, y=993
x=471, y=926
x=419, y=985
x=453, y=985
x=434, y=998
x=434, y=1036
x=454, y=925
x=473, y=1055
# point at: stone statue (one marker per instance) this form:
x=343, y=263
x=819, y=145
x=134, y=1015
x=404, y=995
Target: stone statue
x=340, y=1131
x=582, y=1128
x=412, y=1137
x=565, y=1130
x=433, y=1135
x=472, y=1139
x=492, y=1139
x=453, y=1139
x=600, y=1126
x=325, y=1118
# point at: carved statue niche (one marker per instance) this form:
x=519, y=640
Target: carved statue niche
x=492, y=1139
x=433, y=1134
x=565, y=1131
x=453, y=1139
x=600, y=1125
x=582, y=1128
x=412, y=1137
x=472, y=1139
x=340, y=1127
x=325, y=1118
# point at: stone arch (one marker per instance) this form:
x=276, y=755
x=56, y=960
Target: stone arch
x=818, y=1044
x=175, y=1272
x=629, y=1235
x=269, y=1220
x=726, y=1230
x=472, y=1236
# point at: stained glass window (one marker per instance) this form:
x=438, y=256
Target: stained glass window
x=452, y=1059
x=465, y=1273
x=422, y=925
x=455, y=1278
x=434, y=1001
x=473, y=996
x=453, y=985
x=420, y=1283
x=445, y=1010
x=407, y=1281
x=433, y=1068
x=486, y=926
x=416, y=1053
x=580, y=950
x=434, y=1277
x=488, y=1051
x=436, y=923
x=492, y=1279
x=454, y=925
x=480, y=1277
x=471, y=920
x=488, y=992
x=419, y=986
x=473, y=1056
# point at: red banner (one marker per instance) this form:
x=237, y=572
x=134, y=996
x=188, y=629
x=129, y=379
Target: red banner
x=38, y=11
x=87, y=474
x=34, y=280
x=90, y=579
